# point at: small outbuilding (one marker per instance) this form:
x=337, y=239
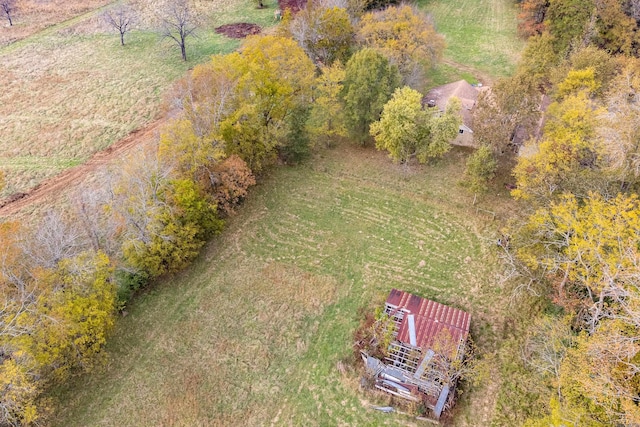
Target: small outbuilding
x=468, y=95
x=429, y=339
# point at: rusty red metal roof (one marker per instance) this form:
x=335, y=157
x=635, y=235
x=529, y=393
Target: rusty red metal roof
x=430, y=319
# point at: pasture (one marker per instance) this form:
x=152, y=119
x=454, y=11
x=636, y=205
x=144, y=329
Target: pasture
x=259, y=330
x=480, y=34
x=72, y=90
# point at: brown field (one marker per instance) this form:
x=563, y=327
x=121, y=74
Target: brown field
x=35, y=15
x=72, y=90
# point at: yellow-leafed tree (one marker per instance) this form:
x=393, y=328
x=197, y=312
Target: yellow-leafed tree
x=326, y=120
x=406, y=36
x=588, y=250
x=276, y=80
x=569, y=157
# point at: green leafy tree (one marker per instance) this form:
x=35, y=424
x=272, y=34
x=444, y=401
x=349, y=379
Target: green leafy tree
x=616, y=31
x=252, y=138
x=403, y=126
x=538, y=59
x=407, y=130
x=176, y=232
x=567, y=21
x=193, y=156
x=443, y=128
x=605, y=67
x=369, y=82
x=297, y=144
x=271, y=87
x=163, y=221
x=193, y=208
x=375, y=4
x=481, y=168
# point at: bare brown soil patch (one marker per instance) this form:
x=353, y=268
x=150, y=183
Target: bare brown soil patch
x=293, y=5
x=238, y=30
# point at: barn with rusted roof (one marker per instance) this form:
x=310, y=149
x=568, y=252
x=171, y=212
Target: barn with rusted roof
x=428, y=338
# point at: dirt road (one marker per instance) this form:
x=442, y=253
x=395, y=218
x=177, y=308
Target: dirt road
x=53, y=186
x=483, y=77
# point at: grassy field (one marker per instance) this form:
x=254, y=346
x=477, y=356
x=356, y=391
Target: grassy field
x=259, y=330
x=73, y=90
x=480, y=34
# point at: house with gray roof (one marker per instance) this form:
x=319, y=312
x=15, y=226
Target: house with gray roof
x=468, y=95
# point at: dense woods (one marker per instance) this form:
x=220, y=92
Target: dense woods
x=573, y=249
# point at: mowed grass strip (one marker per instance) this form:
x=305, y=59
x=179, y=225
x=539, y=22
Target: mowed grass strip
x=74, y=91
x=480, y=33
x=257, y=332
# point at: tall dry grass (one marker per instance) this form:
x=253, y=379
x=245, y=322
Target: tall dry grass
x=32, y=16
x=73, y=90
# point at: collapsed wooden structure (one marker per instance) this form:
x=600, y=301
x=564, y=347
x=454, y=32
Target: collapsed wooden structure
x=429, y=339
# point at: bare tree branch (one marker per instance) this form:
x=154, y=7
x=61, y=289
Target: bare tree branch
x=178, y=24
x=97, y=225
x=122, y=19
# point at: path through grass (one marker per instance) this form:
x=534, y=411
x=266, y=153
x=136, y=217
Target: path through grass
x=257, y=331
x=479, y=33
